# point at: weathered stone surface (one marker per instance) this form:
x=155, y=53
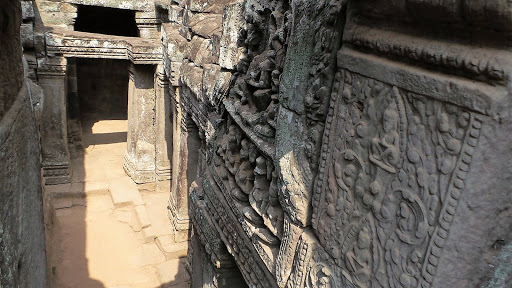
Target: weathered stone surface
x=215, y=83
x=210, y=6
x=27, y=32
x=140, y=152
x=205, y=25
x=321, y=143
x=175, y=45
x=22, y=244
x=125, y=4
x=90, y=45
x=125, y=193
x=54, y=142
x=201, y=51
x=172, y=249
x=149, y=254
x=192, y=76
x=175, y=14
x=232, y=21
x=168, y=271
x=11, y=73
x=27, y=10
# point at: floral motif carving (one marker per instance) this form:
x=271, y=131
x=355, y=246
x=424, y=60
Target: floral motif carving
x=391, y=165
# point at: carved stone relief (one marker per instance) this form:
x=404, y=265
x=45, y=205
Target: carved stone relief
x=255, y=95
x=394, y=164
x=304, y=96
x=250, y=180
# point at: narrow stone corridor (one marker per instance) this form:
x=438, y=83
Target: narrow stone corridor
x=102, y=229
x=255, y=144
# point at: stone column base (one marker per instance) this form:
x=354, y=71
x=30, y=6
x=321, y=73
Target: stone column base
x=138, y=176
x=181, y=226
x=57, y=174
x=163, y=174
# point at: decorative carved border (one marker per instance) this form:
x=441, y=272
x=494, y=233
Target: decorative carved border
x=356, y=62
x=266, y=147
x=235, y=238
x=87, y=45
x=450, y=203
x=478, y=63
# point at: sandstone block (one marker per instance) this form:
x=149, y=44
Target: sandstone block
x=27, y=10
x=176, y=14
x=201, y=51
x=148, y=234
x=27, y=35
x=205, y=24
x=124, y=193
x=210, y=6
x=192, y=77
x=142, y=216
x=149, y=254
x=232, y=21
x=215, y=83
x=170, y=248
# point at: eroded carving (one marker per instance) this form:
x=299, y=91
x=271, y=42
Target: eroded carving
x=250, y=179
x=393, y=162
x=255, y=94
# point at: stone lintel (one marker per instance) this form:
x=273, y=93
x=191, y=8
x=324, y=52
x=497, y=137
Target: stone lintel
x=89, y=45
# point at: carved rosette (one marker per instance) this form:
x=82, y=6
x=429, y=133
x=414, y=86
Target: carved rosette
x=393, y=168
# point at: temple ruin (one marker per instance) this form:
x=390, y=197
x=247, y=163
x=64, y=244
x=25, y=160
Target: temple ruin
x=256, y=143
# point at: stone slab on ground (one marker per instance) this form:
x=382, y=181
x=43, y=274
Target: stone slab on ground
x=126, y=215
x=171, y=249
x=124, y=192
x=59, y=188
x=142, y=216
x=149, y=254
x=156, y=208
x=97, y=187
x=148, y=234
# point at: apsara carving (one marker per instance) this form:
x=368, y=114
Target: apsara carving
x=392, y=163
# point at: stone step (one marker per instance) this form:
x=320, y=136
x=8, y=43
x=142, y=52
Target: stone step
x=170, y=248
x=124, y=192
x=142, y=216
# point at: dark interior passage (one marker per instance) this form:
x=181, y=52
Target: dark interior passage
x=103, y=87
x=104, y=20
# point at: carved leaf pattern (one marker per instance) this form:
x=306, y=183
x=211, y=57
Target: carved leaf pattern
x=389, y=168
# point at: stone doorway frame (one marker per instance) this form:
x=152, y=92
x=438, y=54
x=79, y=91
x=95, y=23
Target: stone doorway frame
x=145, y=57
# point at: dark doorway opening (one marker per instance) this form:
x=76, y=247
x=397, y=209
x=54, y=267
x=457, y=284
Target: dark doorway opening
x=101, y=98
x=103, y=87
x=108, y=21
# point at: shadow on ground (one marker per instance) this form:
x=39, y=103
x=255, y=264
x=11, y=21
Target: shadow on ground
x=93, y=242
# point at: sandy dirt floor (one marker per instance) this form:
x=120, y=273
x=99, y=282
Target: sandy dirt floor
x=97, y=238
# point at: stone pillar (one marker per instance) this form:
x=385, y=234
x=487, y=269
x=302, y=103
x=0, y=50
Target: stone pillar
x=73, y=102
x=163, y=146
x=73, y=107
x=148, y=24
x=54, y=144
x=139, y=160
x=185, y=167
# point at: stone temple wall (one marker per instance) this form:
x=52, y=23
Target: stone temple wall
x=357, y=144
x=22, y=246
x=329, y=143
